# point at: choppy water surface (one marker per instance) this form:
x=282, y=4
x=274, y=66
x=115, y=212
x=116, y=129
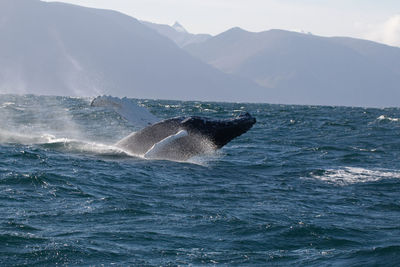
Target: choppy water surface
x=306, y=186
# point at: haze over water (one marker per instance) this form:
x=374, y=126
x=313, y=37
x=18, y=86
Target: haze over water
x=308, y=185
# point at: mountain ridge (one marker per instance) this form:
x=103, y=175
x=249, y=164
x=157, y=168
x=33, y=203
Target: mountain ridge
x=180, y=37
x=44, y=51
x=303, y=68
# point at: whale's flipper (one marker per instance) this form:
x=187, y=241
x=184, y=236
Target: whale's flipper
x=160, y=148
x=136, y=115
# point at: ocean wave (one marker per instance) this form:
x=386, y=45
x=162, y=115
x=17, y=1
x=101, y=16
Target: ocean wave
x=383, y=117
x=353, y=175
x=6, y=104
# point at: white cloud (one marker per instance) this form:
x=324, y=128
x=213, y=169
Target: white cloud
x=391, y=31
x=387, y=32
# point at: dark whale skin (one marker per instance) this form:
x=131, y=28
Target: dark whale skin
x=203, y=134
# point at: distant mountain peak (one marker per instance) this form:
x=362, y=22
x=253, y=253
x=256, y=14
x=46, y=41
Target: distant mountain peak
x=178, y=27
x=238, y=29
x=177, y=33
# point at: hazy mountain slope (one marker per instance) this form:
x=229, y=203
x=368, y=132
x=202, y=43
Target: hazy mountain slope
x=306, y=69
x=61, y=49
x=229, y=49
x=177, y=33
x=387, y=56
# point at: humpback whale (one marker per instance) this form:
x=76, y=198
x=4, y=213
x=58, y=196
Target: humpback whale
x=178, y=138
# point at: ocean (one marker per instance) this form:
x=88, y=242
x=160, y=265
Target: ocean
x=307, y=185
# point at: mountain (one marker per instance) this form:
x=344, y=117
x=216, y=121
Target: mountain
x=62, y=49
x=385, y=55
x=178, y=33
x=306, y=69
x=178, y=27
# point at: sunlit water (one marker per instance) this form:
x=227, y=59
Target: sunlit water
x=306, y=186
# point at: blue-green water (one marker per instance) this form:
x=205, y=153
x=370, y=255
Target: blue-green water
x=306, y=185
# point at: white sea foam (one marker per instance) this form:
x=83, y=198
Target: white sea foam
x=383, y=117
x=18, y=138
x=90, y=148
x=353, y=175
x=205, y=159
x=62, y=143
x=6, y=104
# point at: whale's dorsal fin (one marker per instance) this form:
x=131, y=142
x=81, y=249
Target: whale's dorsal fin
x=154, y=151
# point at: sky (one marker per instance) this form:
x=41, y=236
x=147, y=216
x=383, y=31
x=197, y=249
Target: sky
x=377, y=20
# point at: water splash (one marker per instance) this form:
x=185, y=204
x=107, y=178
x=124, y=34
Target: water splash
x=52, y=123
x=354, y=175
x=383, y=117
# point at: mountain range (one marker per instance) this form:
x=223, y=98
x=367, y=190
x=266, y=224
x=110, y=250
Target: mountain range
x=307, y=69
x=62, y=49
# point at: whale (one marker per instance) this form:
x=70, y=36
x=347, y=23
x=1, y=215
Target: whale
x=178, y=138
x=181, y=138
